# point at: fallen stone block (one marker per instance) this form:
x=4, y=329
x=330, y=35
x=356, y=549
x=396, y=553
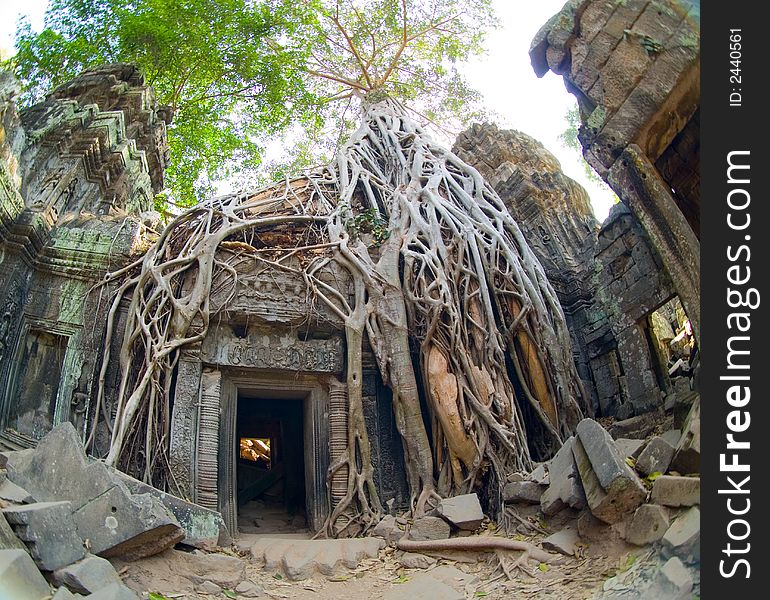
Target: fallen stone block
x=49, y=532
x=673, y=581
x=673, y=490
x=454, y=577
x=540, y=474
x=613, y=490
x=429, y=528
x=687, y=456
x=64, y=594
x=225, y=571
x=114, y=591
x=14, y=494
x=300, y=559
x=423, y=587
x=412, y=560
x=209, y=587
x=682, y=538
x=637, y=428
x=389, y=530
x=565, y=542
x=249, y=589
x=19, y=577
x=566, y=489
x=128, y=526
x=203, y=528
x=8, y=539
x=656, y=457
x=649, y=524
x=672, y=436
x=87, y=575
x=628, y=447
x=527, y=492
x=464, y=512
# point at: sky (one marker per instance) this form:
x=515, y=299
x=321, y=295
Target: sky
x=503, y=75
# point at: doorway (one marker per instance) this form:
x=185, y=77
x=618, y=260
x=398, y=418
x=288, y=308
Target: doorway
x=270, y=464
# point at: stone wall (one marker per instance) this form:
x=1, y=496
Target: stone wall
x=76, y=171
x=608, y=279
x=634, y=67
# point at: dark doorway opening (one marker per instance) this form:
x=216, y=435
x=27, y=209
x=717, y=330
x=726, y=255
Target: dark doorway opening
x=270, y=465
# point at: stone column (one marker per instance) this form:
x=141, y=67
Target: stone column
x=184, y=427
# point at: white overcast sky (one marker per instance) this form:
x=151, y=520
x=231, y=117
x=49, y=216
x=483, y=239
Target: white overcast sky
x=504, y=75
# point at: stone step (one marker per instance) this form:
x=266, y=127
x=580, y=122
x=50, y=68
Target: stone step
x=300, y=559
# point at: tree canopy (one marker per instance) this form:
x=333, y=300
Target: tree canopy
x=238, y=73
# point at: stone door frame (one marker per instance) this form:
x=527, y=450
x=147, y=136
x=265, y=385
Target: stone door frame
x=313, y=392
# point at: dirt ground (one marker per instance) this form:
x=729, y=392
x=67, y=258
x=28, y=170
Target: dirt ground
x=177, y=574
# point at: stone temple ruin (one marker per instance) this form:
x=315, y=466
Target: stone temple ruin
x=258, y=408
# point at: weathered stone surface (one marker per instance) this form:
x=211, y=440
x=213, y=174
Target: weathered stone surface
x=429, y=528
x=566, y=489
x=656, y=457
x=649, y=524
x=13, y=493
x=528, y=492
x=19, y=577
x=49, y=532
x=637, y=428
x=411, y=560
x=682, y=538
x=300, y=559
x=423, y=587
x=8, y=539
x=454, y=577
x=114, y=591
x=672, y=436
x=388, y=529
x=687, y=455
x=628, y=447
x=464, y=512
x=612, y=489
x=209, y=587
x=540, y=474
x=87, y=575
x=564, y=541
x=673, y=490
x=64, y=594
x=249, y=589
x=674, y=581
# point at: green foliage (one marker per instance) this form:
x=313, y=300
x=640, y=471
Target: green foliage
x=240, y=73
x=217, y=63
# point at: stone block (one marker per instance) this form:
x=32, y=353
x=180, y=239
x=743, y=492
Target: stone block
x=87, y=575
x=673, y=581
x=412, y=560
x=527, y=492
x=49, y=532
x=637, y=428
x=64, y=594
x=566, y=489
x=14, y=494
x=8, y=539
x=423, y=587
x=388, y=529
x=656, y=457
x=429, y=528
x=672, y=436
x=687, y=455
x=114, y=591
x=649, y=524
x=564, y=541
x=612, y=489
x=464, y=512
x=629, y=448
x=682, y=538
x=127, y=526
x=673, y=490
x=249, y=589
x=540, y=474
x=19, y=577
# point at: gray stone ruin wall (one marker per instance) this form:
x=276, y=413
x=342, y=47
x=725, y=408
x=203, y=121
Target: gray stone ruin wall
x=76, y=170
x=608, y=278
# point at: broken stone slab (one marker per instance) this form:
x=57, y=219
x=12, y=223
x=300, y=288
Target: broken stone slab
x=672, y=436
x=649, y=524
x=14, y=494
x=429, y=528
x=8, y=539
x=682, y=538
x=120, y=524
x=540, y=474
x=203, y=528
x=454, y=577
x=20, y=578
x=49, y=532
x=88, y=575
x=464, y=511
x=300, y=559
x=423, y=587
x=209, y=587
x=565, y=542
x=389, y=530
x=114, y=591
x=412, y=560
x=526, y=492
x=687, y=456
x=676, y=491
x=249, y=589
x=64, y=594
x=566, y=489
x=656, y=457
x=673, y=581
x=637, y=428
x=613, y=490
x=628, y=447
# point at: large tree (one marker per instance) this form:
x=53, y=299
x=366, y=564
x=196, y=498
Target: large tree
x=439, y=280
